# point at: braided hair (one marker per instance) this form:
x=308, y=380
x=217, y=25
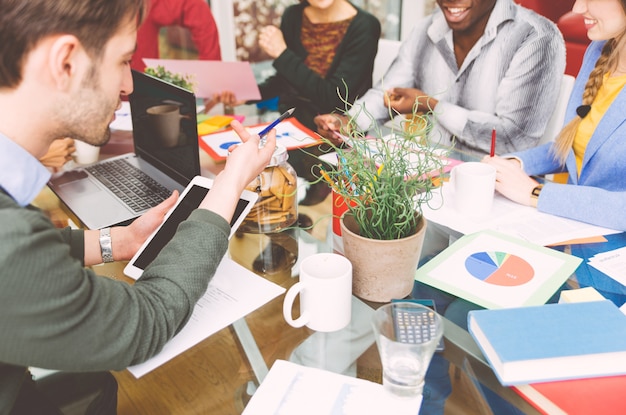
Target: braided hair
x=606, y=63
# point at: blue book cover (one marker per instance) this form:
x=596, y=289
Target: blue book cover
x=552, y=342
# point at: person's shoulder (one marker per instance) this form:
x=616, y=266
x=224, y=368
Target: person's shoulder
x=540, y=24
x=293, y=10
x=366, y=18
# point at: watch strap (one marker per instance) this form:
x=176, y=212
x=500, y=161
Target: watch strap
x=534, y=195
x=106, y=247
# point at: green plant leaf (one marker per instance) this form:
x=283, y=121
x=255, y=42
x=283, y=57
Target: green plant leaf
x=386, y=177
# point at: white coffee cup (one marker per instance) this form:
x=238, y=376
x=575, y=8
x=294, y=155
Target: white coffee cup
x=474, y=185
x=85, y=153
x=325, y=289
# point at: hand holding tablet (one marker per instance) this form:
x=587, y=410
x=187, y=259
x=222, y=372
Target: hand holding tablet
x=189, y=200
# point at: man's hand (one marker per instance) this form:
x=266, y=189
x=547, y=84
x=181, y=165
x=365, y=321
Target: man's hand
x=402, y=100
x=126, y=240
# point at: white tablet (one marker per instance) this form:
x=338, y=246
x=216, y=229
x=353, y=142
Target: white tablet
x=189, y=200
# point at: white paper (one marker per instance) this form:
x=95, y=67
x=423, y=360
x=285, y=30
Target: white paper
x=233, y=293
x=511, y=218
x=123, y=121
x=293, y=389
x=288, y=135
x=612, y=263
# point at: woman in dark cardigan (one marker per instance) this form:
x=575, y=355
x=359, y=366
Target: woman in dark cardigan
x=323, y=53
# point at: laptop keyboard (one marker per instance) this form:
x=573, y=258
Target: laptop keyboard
x=134, y=187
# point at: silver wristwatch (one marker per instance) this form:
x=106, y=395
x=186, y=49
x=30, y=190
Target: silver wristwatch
x=105, y=245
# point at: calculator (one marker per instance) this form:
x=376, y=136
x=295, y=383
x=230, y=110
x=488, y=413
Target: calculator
x=409, y=322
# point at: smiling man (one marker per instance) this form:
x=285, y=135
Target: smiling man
x=479, y=65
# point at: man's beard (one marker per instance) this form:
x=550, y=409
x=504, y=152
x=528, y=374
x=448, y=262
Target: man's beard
x=86, y=115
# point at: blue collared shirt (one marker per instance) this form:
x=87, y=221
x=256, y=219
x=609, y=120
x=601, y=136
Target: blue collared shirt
x=22, y=176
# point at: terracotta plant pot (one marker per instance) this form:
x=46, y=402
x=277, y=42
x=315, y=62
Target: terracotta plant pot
x=381, y=269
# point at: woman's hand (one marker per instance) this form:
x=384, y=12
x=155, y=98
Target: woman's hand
x=59, y=153
x=272, y=42
x=511, y=181
x=403, y=99
x=228, y=98
x=329, y=126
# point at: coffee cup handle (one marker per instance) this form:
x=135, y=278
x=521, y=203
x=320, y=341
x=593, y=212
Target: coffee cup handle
x=288, y=304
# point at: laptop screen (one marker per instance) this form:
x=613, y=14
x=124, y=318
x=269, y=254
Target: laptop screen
x=164, y=126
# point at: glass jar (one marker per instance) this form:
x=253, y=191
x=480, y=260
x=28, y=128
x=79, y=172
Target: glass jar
x=276, y=208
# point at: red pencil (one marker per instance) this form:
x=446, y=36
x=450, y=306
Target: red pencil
x=493, y=143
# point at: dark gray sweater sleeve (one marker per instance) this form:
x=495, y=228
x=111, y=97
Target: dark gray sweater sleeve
x=58, y=315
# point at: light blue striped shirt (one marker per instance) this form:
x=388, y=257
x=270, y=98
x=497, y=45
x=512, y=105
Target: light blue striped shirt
x=509, y=80
x=22, y=176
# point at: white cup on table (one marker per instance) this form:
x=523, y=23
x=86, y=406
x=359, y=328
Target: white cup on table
x=85, y=153
x=325, y=290
x=474, y=186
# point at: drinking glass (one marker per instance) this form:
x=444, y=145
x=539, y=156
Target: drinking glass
x=406, y=347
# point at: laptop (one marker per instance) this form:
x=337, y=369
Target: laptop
x=166, y=156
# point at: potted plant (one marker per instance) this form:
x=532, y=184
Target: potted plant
x=383, y=179
x=183, y=81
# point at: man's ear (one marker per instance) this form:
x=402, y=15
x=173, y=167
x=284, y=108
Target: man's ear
x=65, y=57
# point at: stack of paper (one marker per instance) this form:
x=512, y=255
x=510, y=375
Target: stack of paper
x=612, y=263
x=233, y=292
x=511, y=218
x=293, y=389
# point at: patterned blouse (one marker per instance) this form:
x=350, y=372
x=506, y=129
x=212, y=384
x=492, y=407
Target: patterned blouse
x=320, y=41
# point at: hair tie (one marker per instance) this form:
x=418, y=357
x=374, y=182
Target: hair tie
x=583, y=110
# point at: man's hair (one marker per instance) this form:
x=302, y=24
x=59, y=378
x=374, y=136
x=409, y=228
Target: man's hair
x=24, y=23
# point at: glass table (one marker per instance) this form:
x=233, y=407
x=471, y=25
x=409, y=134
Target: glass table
x=219, y=374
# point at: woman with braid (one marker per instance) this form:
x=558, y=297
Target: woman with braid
x=592, y=146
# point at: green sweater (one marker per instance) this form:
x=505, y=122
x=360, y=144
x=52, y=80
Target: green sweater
x=56, y=314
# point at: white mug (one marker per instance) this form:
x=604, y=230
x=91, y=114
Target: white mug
x=85, y=153
x=325, y=289
x=474, y=185
x=165, y=122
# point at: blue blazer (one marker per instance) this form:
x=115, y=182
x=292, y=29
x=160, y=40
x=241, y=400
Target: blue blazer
x=598, y=196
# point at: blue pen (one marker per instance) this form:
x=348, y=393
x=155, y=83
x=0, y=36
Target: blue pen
x=267, y=129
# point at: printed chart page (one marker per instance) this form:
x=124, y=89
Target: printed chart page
x=233, y=293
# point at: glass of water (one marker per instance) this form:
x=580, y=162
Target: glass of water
x=407, y=335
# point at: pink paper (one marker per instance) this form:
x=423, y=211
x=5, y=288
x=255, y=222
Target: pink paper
x=210, y=77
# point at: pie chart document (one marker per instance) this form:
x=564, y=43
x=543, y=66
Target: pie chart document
x=495, y=270
x=499, y=268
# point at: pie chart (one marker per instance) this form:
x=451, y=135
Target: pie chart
x=499, y=268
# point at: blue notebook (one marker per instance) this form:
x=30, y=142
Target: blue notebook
x=552, y=342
